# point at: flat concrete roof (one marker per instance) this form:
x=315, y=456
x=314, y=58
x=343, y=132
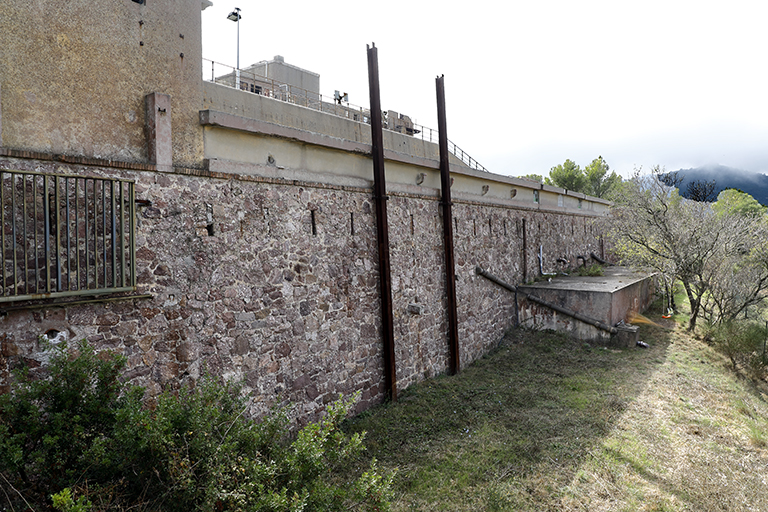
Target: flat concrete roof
x=613, y=279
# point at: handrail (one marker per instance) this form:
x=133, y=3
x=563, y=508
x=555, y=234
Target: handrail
x=252, y=83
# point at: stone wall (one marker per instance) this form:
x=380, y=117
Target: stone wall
x=274, y=282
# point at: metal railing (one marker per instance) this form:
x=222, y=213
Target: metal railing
x=65, y=236
x=257, y=84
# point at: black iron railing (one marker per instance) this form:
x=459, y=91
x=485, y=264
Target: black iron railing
x=65, y=236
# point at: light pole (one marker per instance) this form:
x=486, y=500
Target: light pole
x=235, y=16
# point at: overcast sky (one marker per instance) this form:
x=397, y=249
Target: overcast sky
x=530, y=84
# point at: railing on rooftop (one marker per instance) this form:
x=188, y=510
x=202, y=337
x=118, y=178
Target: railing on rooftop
x=256, y=84
x=65, y=236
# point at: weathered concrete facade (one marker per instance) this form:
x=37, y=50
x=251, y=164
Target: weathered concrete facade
x=75, y=75
x=257, y=244
x=610, y=299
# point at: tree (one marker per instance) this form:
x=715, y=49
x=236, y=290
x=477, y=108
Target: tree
x=567, y=175
x=701, y=190
x=735, y=201
x=743, y=278
x=593, y=180
x=689, y=241
x=534, y=177
x=599, y=182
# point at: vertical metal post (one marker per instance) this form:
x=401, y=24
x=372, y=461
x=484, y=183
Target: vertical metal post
x=104, y=230
x=114, y=234
x=35, y=228
x=382, y=228
x=25, y=250
x=47, y=221
x=86, y=242
x=13, y=231
x=132, y=220
x=69, y=243
x=57, y=226
x=450, y=270
x=2, y=233
x=77, y=233
x=122, y=234
x=525, y=253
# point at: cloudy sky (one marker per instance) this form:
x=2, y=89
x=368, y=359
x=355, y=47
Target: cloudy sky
x=675, y=83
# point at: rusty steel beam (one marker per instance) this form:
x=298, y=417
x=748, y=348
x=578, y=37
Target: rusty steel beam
x=450, y=269
x=382, y=227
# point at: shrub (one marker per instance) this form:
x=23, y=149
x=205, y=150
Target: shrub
x=56, y=430
x=80, y=431
x=743, y=343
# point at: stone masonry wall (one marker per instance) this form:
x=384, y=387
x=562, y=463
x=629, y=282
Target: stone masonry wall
x=275, y=283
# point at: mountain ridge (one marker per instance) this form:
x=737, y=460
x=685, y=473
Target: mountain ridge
x=754, y=184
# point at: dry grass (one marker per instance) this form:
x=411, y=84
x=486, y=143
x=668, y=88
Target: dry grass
x=548, y=423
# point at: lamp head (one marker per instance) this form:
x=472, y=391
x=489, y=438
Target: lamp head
x=234, y=15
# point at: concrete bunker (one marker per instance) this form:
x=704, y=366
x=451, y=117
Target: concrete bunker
x=590, y=308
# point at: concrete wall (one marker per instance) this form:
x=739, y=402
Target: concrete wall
x=75, y=74
x=611, y=298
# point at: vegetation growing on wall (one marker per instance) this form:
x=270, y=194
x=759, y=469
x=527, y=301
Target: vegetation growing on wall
x=82, y=437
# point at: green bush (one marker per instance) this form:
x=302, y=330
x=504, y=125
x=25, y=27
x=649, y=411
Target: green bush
x=80, y=431
x=57, y=430
x=743, y=343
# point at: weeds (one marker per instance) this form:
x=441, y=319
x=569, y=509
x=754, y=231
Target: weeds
x=548, y=423
x=593, y=270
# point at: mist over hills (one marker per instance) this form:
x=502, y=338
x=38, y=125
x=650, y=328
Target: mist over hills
x=752, y=183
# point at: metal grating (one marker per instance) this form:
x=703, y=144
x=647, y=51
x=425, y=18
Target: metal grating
x=65, y=236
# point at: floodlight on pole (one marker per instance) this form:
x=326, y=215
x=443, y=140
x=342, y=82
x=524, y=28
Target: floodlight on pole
x=235, y=16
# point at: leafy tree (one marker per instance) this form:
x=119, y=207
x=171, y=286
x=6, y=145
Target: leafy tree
x=593, y=180
x=534, y=177
x=599, y=182
x=567, y=175
x=737, y=202
x=687, y=240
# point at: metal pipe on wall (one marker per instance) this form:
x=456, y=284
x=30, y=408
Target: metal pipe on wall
x=578, y=316
x=382, y=227
x=450, y=270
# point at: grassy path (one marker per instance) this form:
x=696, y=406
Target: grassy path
x=549, y=423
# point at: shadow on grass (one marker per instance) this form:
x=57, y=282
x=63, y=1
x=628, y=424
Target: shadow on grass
x=510, y=431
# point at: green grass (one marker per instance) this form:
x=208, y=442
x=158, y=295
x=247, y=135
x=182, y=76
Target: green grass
x=549, y=423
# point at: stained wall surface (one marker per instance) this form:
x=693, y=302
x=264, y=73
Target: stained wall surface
x=75, y=74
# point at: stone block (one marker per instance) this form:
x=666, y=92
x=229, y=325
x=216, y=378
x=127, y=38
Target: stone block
x=627, y=337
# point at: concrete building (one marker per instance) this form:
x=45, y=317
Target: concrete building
x=193, y=226
x=277, y=79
